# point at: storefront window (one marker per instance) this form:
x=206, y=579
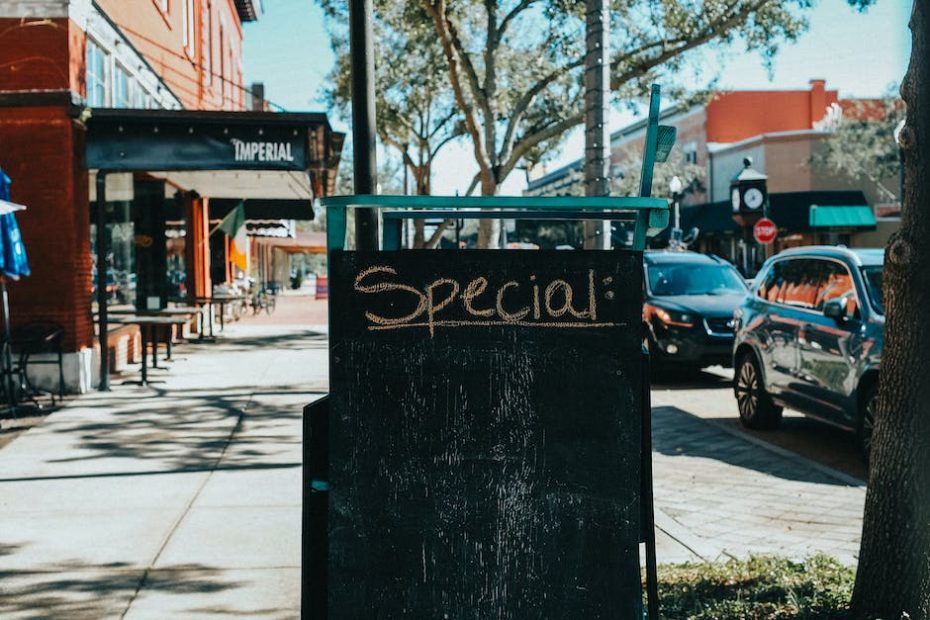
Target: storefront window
x=187, y=27
x=121, y=260
x=176, y=240
x=96, y=75
x=121, y=81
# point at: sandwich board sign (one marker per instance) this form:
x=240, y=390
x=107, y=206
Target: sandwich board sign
x=487, y=414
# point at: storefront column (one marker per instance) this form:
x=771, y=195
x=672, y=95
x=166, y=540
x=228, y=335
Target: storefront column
x=197, y=247
x=43, y=153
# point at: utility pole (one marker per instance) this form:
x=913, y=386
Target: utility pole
x=365, y=165
x=596, y=100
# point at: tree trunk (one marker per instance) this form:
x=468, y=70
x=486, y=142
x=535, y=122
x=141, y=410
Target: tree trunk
x=489, y=231
x=894, y=561
x=421, y=175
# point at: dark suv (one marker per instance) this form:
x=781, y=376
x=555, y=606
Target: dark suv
x=809, y=337
x=688, y=314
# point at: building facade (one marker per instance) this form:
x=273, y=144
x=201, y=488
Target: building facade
x=64, y=60
x=781, y=132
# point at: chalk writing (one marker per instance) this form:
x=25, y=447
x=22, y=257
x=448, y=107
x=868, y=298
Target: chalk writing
x=507, y=303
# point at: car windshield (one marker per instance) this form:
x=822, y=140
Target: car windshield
x=873, y=281
x=668, y=280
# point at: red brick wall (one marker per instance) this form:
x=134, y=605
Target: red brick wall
x=42, y=150
x=735, y=116
x=35, y=54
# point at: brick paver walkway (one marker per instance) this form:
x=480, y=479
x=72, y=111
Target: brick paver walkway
x=720, y=494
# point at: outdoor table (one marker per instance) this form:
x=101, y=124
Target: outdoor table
x=199, y=302
x=222, y=300
x=187, y=312
x=146, y=323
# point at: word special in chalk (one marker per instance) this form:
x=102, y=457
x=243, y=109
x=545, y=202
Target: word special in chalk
x=482, y=301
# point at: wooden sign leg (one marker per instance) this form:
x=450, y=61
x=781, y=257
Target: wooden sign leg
x=649, y=530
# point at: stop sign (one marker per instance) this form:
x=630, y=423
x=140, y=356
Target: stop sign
x=765, y=231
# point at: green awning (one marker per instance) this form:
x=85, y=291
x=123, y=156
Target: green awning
x=841, y=217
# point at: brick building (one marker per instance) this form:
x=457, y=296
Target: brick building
x=71, y=70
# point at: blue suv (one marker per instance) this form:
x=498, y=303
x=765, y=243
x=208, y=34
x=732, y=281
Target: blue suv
x=809, y=337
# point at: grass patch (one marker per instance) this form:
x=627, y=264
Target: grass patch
x=760, y=588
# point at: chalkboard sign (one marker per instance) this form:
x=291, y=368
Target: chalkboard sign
x=485, y=434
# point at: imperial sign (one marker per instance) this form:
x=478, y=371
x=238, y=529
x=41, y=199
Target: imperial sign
x=262, y=151
x=765, y=231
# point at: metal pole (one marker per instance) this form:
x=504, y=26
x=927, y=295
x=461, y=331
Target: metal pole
x=365, y=164
x=597, y=95
x=102, y=282
x=7, y=348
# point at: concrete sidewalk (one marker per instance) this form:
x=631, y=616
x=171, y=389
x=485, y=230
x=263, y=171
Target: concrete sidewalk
x=176, y=500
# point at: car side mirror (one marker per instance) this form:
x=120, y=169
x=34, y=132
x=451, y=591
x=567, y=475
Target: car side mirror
x=835, y=309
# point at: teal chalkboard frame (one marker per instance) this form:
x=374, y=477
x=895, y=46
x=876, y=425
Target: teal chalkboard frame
x=650, y=215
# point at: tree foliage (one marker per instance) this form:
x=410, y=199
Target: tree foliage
x=515, y=66
x=862, y=145
x=416, y=113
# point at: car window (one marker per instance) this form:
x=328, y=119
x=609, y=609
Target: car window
x=797, y=284
x=873, y=281
x=808, y=283
x=836, y=283
x=767, y=282
x=685, y=279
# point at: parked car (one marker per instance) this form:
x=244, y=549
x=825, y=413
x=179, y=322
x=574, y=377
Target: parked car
x=688, y=314
x=809, y=337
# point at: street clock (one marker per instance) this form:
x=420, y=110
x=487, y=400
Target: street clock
x=748, y=192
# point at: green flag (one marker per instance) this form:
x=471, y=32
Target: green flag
x=233, y=221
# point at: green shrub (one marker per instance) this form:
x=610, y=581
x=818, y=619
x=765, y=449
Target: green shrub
x=760, y=588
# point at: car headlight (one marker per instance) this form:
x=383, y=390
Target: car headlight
x=670, y=317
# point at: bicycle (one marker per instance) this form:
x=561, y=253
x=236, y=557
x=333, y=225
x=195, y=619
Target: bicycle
x=263, y=300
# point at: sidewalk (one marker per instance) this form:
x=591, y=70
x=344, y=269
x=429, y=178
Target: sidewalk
x=177, y=500
x=183, y=499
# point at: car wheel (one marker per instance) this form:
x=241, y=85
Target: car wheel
x=867, y=408
x=756, y=408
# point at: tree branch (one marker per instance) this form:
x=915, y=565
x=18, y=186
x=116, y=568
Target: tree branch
x=545, y=133
x=710, y=32
x=526, y=100
x=524, y=4
x=437, y=12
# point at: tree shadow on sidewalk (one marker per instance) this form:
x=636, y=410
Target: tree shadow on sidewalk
x=676, y=433
x=79, y=590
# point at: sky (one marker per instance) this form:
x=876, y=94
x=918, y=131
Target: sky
x=858, y=54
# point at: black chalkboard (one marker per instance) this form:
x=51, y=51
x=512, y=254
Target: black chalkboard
x=485, y=434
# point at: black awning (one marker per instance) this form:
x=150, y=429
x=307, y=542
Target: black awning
x=124, y=140
x=789, y=210
x=258, y=209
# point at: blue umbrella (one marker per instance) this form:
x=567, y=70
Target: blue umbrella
x=13, y=264
x=13, y=261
